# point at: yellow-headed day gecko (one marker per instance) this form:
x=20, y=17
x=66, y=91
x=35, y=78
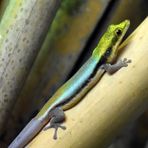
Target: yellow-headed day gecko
x=68, y=95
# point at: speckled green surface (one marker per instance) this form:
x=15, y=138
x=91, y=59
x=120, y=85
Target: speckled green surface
x=22, y=30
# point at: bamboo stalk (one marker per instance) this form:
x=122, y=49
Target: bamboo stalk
x=113, y=103
x=22, y=31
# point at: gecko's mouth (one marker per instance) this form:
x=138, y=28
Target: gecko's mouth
x=126, y=26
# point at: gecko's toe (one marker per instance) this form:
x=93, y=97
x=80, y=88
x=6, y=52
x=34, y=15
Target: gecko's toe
x=55, y=126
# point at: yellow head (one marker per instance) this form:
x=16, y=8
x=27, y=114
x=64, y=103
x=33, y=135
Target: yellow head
x=107, y=48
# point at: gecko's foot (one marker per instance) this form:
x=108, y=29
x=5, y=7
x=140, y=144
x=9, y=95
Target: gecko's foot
x=55, y=126
x=57, y=117
x=124, y=62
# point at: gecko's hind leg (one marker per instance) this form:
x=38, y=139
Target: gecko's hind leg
x=57, y=117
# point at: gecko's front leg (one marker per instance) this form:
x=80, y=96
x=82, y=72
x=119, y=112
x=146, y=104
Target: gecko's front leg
x=109, y=68
x=57, y=117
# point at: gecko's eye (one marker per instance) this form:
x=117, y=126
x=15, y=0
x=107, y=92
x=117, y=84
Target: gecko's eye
x=118, y=32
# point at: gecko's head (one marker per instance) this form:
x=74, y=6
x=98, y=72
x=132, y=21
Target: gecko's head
x=108, y=46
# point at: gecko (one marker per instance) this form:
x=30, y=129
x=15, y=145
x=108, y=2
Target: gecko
x=103, y=59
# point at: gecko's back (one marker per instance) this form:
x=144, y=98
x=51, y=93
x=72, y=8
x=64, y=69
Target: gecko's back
x=65, y=94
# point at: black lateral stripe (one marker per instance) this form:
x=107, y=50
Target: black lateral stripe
x=100, y=63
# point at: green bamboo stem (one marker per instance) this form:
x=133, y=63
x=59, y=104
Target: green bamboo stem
x=22, y=31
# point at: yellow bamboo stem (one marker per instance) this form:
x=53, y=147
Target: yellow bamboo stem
x=114, y=102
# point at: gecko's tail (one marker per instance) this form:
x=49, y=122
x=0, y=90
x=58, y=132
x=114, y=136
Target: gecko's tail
x=30, y=130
